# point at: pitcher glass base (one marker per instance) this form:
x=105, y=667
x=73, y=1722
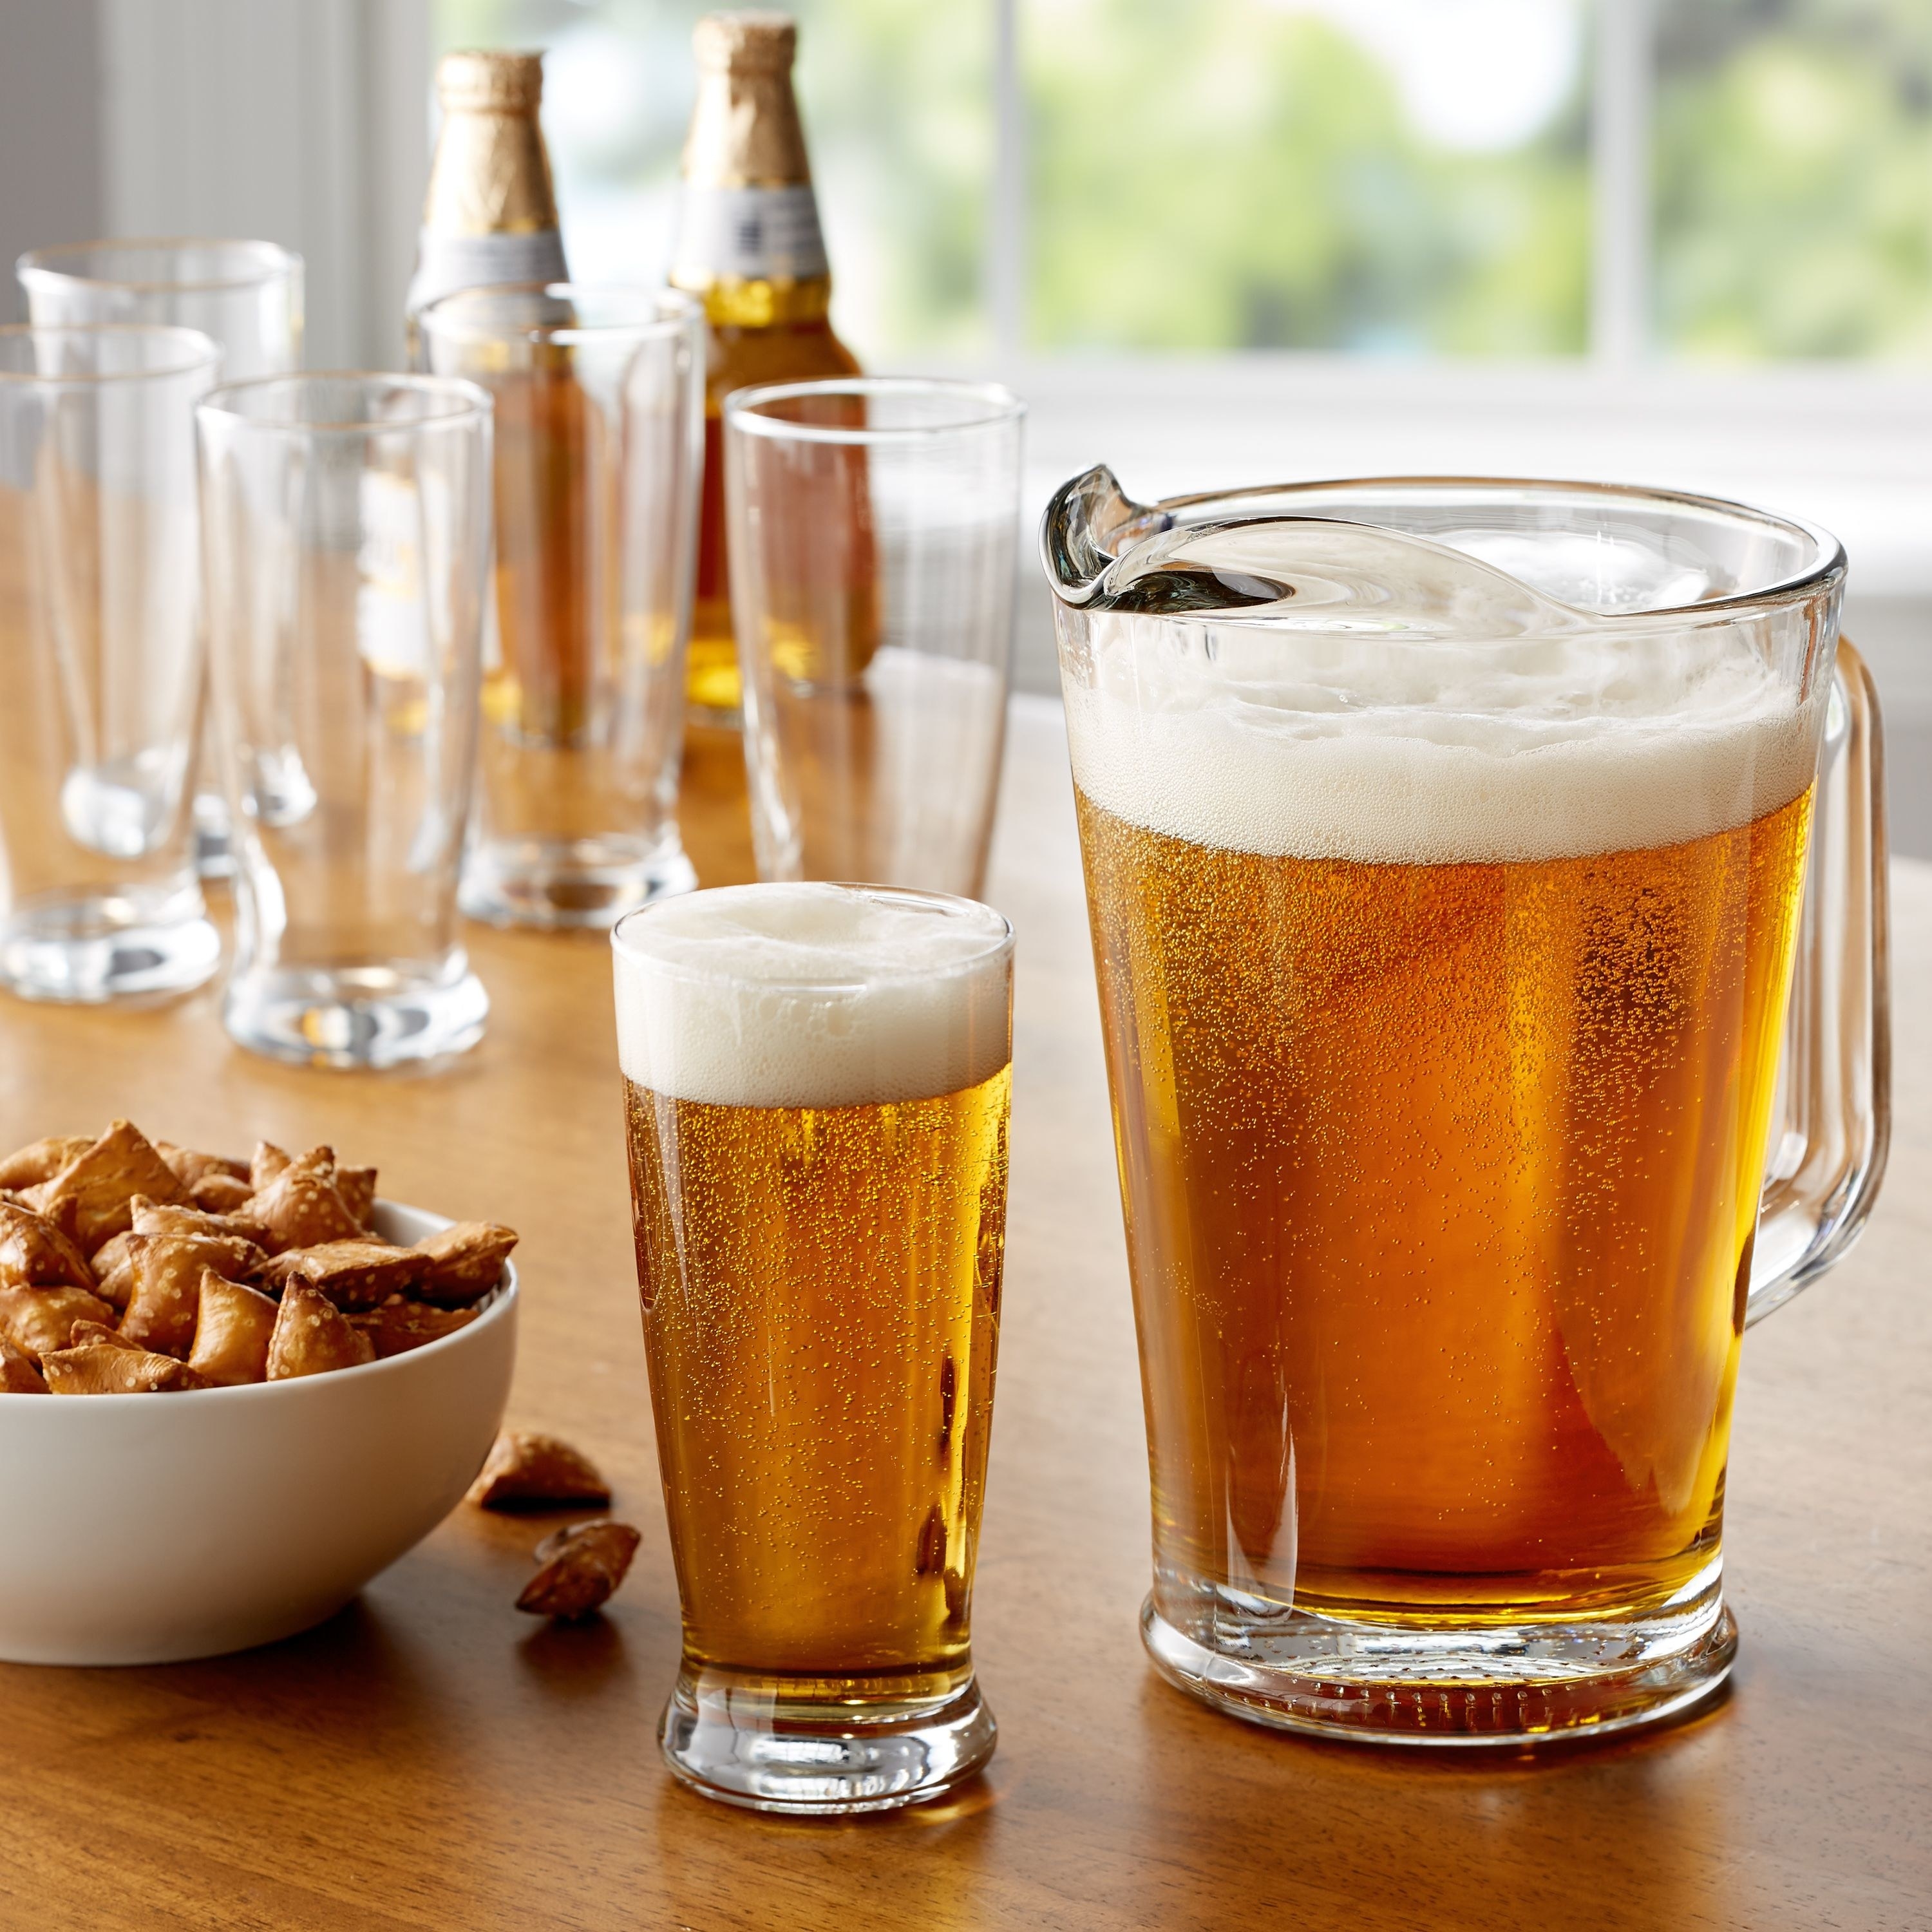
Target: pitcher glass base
x=563, y=884
x=727, y=1736
x=1523, y=1684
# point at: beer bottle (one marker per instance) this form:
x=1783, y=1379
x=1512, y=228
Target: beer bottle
x=748, y=245
x=490, y=218
x=491, y=213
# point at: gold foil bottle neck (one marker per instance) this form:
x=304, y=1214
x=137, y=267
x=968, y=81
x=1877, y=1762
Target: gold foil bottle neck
x=489, y=80
x=491, y=175
x=747, y=41
x=744, y=130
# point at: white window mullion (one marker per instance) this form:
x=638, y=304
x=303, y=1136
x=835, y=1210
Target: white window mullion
x=1620, y=177
x=1005, y=247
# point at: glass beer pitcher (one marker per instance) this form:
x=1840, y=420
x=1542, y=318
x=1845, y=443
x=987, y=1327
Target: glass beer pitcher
x=1481, y=1065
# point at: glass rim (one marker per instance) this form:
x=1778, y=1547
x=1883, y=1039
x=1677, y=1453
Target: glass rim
x=199, y=351
x=1827, y=565
x=466, y=401
x=676, y=312
x=277, y=261
x=999, y=946
x=743, y=408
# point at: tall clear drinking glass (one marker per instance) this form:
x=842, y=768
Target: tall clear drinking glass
x=873, y=527
x=1446, y=851
x=599, y=396
x=248, y=295
x=101, y=616
x=348, y=539
x=816, y=1081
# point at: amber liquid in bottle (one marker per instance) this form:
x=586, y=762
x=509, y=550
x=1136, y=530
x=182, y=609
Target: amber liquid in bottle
x=749, y=247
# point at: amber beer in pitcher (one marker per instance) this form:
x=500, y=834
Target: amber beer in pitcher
x=1444, y=929
x=816, y=1089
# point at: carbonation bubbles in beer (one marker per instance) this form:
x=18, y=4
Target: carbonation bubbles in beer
x=817, y=1083
x=1443, y=919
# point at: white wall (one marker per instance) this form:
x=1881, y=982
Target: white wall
x=300, y=121
x=50, y=162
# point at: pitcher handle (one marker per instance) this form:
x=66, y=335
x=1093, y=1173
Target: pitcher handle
x=1831, y=1127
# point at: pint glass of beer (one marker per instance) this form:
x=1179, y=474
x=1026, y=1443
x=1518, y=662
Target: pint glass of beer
x=816, y=1080
x=1446, y=848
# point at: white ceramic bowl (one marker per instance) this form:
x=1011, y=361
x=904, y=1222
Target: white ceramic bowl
x=149, y=1528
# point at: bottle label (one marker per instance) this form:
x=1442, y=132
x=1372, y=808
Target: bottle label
x=748, y=234
x=447, y=262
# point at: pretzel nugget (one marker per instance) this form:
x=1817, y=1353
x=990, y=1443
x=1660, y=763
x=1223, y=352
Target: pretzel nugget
x=41, y=1160
x=353, y=1274
x=581, y=1566
x=108, y=1371
x=98, y=1335
x=35, y=1250
x=267, y=1161
x=312, y=1336
x=189, y=1166
x=163, y=1309
x=301, y=1208
x=466, y=1261
x=174, y=1219
x=18, y=1374
x=113, y=1266
x=399, y=1324
x=232, y=1333
x=525, y=1468
x=38, y=1321
x=357, y=1186
x=220, y=1193
x=103, y=1180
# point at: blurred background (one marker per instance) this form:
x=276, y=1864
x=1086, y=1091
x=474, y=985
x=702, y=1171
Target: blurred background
x=1227, y=241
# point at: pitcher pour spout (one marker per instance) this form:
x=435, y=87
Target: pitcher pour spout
x=1089, y=521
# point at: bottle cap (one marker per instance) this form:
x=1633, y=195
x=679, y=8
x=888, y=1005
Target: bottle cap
x=753, y=42
x=484, y=79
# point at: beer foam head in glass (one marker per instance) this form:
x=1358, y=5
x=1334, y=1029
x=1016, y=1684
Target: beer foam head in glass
x=816, y=1081
x=1445, y=846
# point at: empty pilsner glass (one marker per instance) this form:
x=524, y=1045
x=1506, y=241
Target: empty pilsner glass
x=246, y=295
x=599, y=397
x=873, y=526
x=348, y=538
x=100, y=637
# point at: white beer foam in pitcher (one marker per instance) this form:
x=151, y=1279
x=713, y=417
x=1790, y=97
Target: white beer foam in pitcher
x=1402, y=703
x=811, y=995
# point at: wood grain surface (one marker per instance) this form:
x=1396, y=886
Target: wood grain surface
x=430, y=1758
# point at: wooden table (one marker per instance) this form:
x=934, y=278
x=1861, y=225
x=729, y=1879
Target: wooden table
x=429, y=1758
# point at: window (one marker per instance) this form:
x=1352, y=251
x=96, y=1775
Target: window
x=1729, y=179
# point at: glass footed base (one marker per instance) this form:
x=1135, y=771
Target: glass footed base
x=1519, y=1684
x=730, y=1739
x=571, y=883
x=213, y=848
x=111, y=947
x=368, y=1017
